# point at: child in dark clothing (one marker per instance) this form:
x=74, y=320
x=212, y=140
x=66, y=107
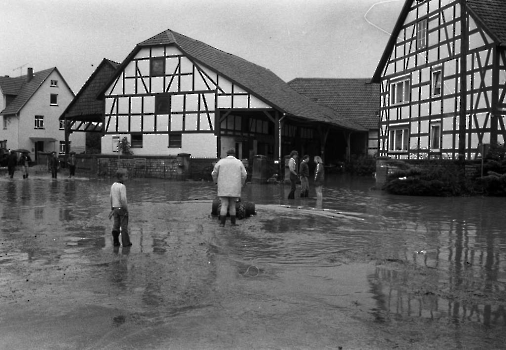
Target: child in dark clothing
x=304, y=176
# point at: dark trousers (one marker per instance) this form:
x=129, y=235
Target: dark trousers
x=54, y=173
x=120, y=217
x=72, y=169
x=11, y=169
x=293, y=186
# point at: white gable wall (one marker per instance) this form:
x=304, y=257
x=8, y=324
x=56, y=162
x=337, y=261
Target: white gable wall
x=195, y=94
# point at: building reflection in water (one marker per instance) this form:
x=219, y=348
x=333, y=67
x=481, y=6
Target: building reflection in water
x=466, y=265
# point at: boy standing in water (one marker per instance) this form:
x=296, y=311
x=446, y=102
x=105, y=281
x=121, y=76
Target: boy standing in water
x=119, y=209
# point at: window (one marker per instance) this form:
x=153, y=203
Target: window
x=54, y=83
x=162, y=104
x=175, y=140
x=136, y=141
x=421, y=34
x=115, y=143
x=53, y=100
x=435, y=136
x=436, y=83
x=3, y=144
x=63, y=148
x=400, y=92
x=39, y=122
x=399, y=138
x=62, y=124
x=157, y=66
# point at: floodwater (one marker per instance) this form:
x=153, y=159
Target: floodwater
x=361, y=270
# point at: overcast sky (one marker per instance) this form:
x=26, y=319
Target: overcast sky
x=292, y=38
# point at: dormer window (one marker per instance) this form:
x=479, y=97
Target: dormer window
x=54, y=83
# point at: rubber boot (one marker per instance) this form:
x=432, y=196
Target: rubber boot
x=232, y=220
x=125, y=239
x=115, y=238
x=222, y=220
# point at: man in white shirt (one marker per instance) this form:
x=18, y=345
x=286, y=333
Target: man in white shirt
x=119, y=209
x=230, y=175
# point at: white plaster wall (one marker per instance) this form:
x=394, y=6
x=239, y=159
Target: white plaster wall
x=198, y=145
x=39, y=104
x=11, y=134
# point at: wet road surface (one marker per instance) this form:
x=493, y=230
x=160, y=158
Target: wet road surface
x=365, y=271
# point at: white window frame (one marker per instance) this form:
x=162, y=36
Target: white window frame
x=421, y=34
x=55, y=96
x=396, y=135
x=400, y=91
x=62, y=124
x=62, y=147
x=437, y=82
x=39, y=122
x=435, y=136
x=54, y=83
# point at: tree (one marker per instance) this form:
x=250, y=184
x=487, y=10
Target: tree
x=124, y=146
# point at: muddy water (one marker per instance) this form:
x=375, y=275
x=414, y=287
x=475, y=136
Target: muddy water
x=361, y=270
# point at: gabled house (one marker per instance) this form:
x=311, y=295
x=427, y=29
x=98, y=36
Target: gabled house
x=443, y=80
x=174, y=94
x=353, y=99
x=30, y=107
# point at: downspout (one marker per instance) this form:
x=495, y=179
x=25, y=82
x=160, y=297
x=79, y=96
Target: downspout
x=279, y=124
x=463, y=83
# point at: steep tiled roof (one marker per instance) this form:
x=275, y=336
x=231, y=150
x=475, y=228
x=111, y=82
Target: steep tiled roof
x=25, y=89
x=259, y=81
x=11, y=86
x=357, y=100
x=493, y=14
x=85, y=106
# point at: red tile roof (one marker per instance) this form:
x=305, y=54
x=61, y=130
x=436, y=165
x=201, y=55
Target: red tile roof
x=357, y=100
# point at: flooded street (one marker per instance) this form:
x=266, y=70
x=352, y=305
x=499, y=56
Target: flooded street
x=367, y=270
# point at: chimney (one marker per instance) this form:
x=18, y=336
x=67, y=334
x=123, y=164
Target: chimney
x=29, y=75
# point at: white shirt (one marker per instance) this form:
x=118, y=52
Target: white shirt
x=118, y=196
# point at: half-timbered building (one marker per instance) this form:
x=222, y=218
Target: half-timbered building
x=443, y=77
x=174, y=94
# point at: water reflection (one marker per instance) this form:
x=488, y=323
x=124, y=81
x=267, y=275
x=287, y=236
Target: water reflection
x=432, y=253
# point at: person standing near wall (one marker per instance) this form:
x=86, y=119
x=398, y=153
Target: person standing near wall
x=304, y=176
x=230, y=175
x=72, y=164
x=54, y=164
x=292, y=167
x=24, y=161
x=12, y=161
x=319, y=176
